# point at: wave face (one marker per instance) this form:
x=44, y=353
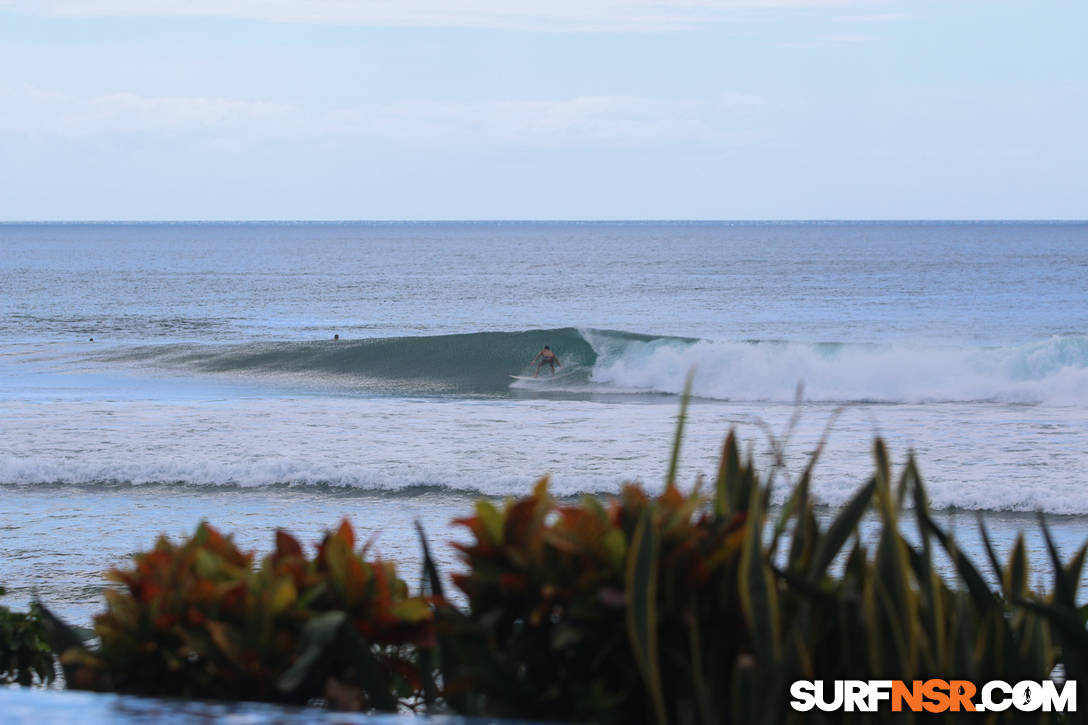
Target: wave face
x=463, y=364
x=1054, y=371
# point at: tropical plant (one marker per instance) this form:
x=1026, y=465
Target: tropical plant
x=704, y=608
x=549, y=628
x=837, y=606
x=621, y=613
x=197, y=619
x=25, y=655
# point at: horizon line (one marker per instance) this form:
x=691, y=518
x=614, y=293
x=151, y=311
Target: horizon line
x=662, y=220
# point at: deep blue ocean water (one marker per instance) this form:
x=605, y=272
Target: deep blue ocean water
x=213, y=387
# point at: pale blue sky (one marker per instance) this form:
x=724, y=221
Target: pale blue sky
x=587, y=109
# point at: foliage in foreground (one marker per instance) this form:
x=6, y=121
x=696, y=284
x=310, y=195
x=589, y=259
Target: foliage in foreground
x=702, y=608
x=697, y=607
x=198, y=619
x=25, y=655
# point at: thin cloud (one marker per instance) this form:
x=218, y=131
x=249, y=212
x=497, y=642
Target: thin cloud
x=182, y=111
x=825, y=41
x=578, y=122
x=557, y=15
x=598, y=121
x=46, y=110
x=876, y=18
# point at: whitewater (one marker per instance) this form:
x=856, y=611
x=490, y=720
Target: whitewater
x=152, y=375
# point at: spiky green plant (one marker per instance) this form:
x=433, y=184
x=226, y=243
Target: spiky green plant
x=887, y=611
x=693, y=608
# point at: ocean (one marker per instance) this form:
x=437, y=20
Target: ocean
x=154, y=375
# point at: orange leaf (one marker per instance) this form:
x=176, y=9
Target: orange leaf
x=346, y=533
x=287, y=545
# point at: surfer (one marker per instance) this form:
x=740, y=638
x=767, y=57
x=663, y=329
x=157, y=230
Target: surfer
x=546, y=357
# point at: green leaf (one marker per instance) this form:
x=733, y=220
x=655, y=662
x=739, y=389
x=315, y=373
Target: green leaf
x=227, y=639
x=315, y=639
x=976, y=585
x=674, y=459
x=432, y=583
x=1016, y=573
x=491, y=519
x=61, y=638
x=797, y=503
x=921, y=508
x=806, y=534
x=371, y=675
x=995, y=565
x=839, y=531
x=898, y=597
x=615, y=545
x=1067, y=623
x=886, y=502
x=642, y=565
x=411, y=610
x=703, y=698
x=728, y=477
x=449, y=663
x=757, y=592
x=1074, y=567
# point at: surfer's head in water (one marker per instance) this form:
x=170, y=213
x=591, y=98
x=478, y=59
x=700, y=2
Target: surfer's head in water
x=546, y=357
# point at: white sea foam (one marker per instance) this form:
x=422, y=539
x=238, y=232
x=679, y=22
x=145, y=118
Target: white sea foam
x=257, y=474
x=1054, y=371
x=970, y=454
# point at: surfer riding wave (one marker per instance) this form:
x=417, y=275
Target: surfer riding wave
x=546, y=357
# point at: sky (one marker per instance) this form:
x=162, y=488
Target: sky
x=566, y=109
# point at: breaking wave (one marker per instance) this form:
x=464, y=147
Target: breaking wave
x=1053, y=371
